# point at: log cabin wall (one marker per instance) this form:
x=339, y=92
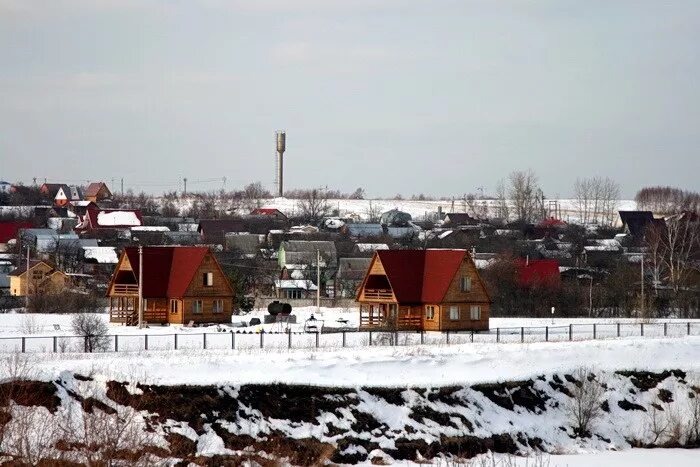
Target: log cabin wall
x=207, y=315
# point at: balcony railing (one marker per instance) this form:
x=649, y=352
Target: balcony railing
x=381, y=321
x=126, y=289
x=378, y=294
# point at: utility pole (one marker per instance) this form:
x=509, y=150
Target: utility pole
x=140, y=286
x=122, y=186
x=318, y=281
x=26, y=299
x=642, y=283
x=590, y=298
x=184, y=180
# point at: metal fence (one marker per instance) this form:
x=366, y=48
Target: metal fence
x=303, y=340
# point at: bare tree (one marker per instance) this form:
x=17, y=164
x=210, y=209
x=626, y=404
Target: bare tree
x=502, y=201
x=525, y=194
x=585, y=405
x=93, y=329
x=313, y=206
x=596, y=200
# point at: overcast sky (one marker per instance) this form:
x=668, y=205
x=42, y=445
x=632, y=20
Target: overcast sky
x=437, y=96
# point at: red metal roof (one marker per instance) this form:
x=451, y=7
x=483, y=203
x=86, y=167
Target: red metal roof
x=168, y=271
x=542, y=272
x=420, y=276
x=93, y=189
x=8, y=230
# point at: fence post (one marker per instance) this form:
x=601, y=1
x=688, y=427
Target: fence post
x=343, y=338
x=522, y=334
x=546, y=333
x=145, y=341
x=85, y=344
x=688, y=327
x=24, y=344
x=175, y=341
x=618, y=329
x=422, y=334
x=498, y=335
x=641, y=329
x=55, y=344
x=594, y=331
x=571, y=332
x=472, y=336
x=665, y=329
x=233, y=340
x=370, y=338
x=317, y=338
x=447, y=337
x=396, y=338
x=204, y=341
x=116, y=343
x=262, y=339
x=289, y=339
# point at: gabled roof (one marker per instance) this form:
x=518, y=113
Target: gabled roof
x=352, y=268
x=267, y=212
x=94, y=188
x=19, y=270
x=9, y=230
x=168, y=270
x=420, y=276
x=637, y=221
x=220, y=226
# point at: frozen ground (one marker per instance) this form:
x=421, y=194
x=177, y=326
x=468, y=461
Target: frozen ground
x=630, y=458
x=379, y=366
x=35, y=333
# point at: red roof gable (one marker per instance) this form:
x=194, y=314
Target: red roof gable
x=8, y=230
x=168, y=271
x=420, y=276
x=538, y=272
x=266, y=212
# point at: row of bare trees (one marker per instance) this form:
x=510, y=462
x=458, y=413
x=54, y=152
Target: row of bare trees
x=597, y=200
x=667, y=200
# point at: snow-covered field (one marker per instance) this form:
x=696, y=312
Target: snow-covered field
x=378, y=366
x=53, y=333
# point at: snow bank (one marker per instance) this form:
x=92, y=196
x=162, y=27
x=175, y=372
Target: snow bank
x=380, y=366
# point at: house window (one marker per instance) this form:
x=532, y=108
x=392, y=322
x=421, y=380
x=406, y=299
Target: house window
x=292, y=293
x=475, y=312
x=36, y=275
x=218, y=306
x=197, y=307
x=454, y=312
x=173, y=306
x=430, y=312
x=465, y=285
x=393, y=308
x=208, y=279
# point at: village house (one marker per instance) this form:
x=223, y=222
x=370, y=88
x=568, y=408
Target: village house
x=181, y=285
x=42, y=278
x=269, y=212
x=349, y=277
x=109, y=219
x=432, y=290
x=97, y=192
x=294, y=254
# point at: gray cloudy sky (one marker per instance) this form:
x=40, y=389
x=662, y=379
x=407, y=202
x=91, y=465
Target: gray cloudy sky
x=409, y=96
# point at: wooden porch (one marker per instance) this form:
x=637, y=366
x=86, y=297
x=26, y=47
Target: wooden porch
x=389, y=316
x=124, y=309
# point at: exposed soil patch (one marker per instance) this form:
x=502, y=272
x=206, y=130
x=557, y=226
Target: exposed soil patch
x=30, y=393
x=627, y=405
x=645, y=380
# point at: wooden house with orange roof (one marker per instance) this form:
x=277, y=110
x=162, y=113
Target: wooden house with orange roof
x=431, y=290
x=180, y=285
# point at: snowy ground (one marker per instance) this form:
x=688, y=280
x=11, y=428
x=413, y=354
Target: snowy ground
x=361, y=208
x=630, y=457
x=379, y=366
x=35, y=333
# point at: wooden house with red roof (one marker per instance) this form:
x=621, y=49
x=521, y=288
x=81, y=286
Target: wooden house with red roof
x=97, y=191
x=431, y=290
x=100, y=219
x=180, y=285
x=9, y=231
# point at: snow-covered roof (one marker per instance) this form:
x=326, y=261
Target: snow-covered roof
x=101, y=254
x=121, y=218
x=295, y=284
x=367, y=247
x=150, y=228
